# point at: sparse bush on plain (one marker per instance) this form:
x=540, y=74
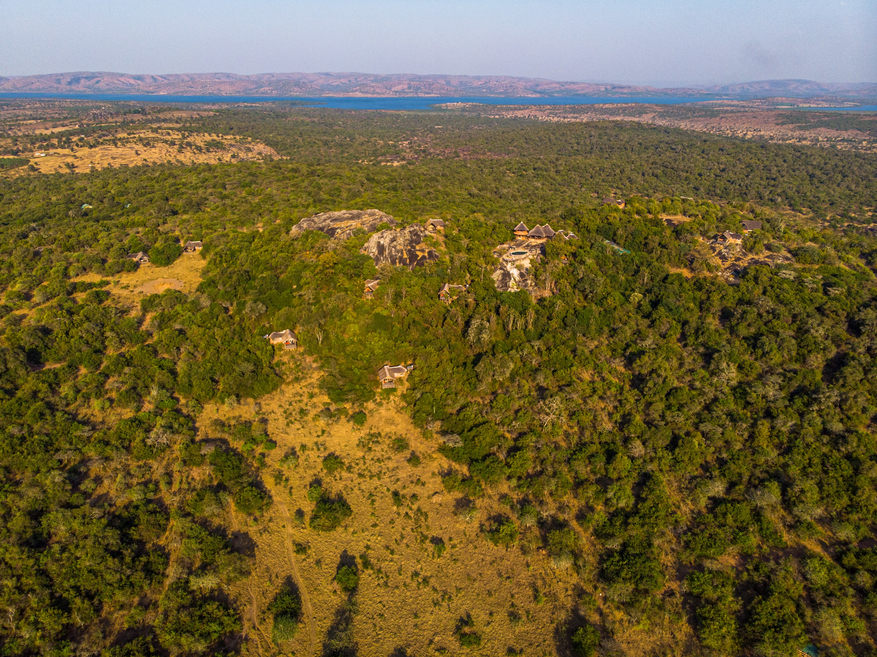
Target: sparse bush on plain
x=329, y=512
x=286, y=610
x=501, y=530
x=333, y=463
x=347, y=578
x=585, y=641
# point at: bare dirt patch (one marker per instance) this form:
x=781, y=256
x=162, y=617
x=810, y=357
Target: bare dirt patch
x=673, y=220
x=160, y=285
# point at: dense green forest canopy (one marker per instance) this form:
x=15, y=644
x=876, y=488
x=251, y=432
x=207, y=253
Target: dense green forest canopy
x=704, y=439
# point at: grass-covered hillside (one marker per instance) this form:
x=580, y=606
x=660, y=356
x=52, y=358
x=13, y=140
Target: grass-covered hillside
x=652, y=453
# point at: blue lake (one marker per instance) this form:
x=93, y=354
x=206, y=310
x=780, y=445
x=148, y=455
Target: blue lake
x=382, y=103
x=402, y=102
x=860, y=108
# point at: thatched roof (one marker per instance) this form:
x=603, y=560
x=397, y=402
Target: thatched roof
x=392, y=372
x=447, y=287
x=282, y=337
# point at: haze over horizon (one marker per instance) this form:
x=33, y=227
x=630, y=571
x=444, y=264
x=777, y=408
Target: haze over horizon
x=679, y=43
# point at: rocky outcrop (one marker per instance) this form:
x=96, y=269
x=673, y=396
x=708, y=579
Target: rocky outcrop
x=344, y=223
x=516, y=259
x=400, y=247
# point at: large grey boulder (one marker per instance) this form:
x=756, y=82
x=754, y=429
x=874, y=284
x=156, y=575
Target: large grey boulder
x=344, y=223
x=515, y=262
x=400, y=247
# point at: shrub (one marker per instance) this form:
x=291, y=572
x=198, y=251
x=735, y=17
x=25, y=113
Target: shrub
x=359, y=418
x=284, y=629
x=190, y=453
x=561, y=542
x=636, y=564
x=163, y=255
x=286, y=608
x=528, y=515
x=249, y=500
x=188, y=623
x=585, y=641
x=466, y=634
x=332, y=463
x=502, y=531
x=347, y=578
x=329, y=513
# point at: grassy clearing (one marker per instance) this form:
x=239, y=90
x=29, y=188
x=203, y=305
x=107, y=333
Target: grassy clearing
x=408, y=596
x=154, y=147
x=129, y=287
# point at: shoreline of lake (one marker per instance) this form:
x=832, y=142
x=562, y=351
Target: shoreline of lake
x=402, y=103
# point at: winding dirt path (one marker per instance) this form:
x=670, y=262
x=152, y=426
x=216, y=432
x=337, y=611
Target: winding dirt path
x=305, y=599
x=258, y=634
x=257, y=630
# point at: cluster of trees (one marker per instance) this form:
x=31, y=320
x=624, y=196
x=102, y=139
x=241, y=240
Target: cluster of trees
x=675, y=423
x=12, y=162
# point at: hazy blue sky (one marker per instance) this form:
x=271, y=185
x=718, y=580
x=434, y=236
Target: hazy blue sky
x=628, y=41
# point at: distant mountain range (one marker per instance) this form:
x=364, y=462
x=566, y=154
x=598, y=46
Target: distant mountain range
x=364, y=84
x=795, y=89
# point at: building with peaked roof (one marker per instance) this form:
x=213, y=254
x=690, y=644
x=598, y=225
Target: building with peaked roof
x=388, y=374
x=434, y=225
x=286, y=337
x=749, y=226
x=141, y=258
x=521, y=230
x=729, y=238
x=537, y=233
x=370, y=286
x=192, y=246
x=548, y=231
x=614, y=201
x=449, y=292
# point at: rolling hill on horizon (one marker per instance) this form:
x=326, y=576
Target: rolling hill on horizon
x=365, y=84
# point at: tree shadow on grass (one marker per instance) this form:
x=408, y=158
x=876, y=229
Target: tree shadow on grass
x=340, y=641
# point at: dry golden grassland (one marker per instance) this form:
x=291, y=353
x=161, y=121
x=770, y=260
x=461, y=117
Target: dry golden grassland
x=141, y=147
x=129, y=287
x=411, y=599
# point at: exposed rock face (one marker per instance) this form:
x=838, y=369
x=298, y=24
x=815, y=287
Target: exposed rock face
x=344, y=223
x=400, y=247
x=516, y=259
